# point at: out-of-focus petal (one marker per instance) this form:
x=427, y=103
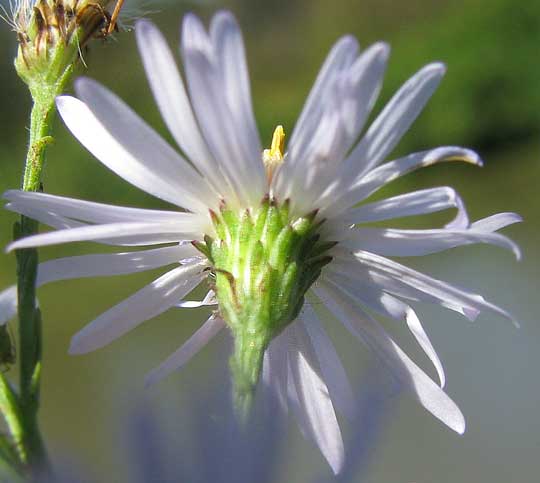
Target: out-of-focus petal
x=8, y=304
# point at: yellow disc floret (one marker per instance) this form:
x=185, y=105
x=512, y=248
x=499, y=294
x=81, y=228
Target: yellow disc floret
x=273, y=157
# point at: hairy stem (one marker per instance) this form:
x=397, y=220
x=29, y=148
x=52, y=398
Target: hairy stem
x=30, y=344
x=246, y=364
x=22, y=413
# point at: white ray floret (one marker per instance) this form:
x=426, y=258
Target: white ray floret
x=361, y=325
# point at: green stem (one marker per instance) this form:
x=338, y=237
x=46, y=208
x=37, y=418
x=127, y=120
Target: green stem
x=26, y=433
x=40, y=128
x=246, y=365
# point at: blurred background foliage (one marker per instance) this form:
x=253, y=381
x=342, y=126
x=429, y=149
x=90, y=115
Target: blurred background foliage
x=489, y=101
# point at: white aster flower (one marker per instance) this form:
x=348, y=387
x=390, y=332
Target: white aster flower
x=267, y=230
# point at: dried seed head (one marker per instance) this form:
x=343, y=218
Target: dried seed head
x=52, y=33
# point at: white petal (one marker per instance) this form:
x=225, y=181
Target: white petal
x=314, y=167
x=209, y=299
x=139, y=139
x=415, y=326
x=364, y=278
x=32, y=210
x=406, y=243
x=314, y=411
x=415, y=203
x=461, y=220
x=336, y=200
x=95, y=266
x=230, y=55
x=332, y=370
x=8, y=304
x=145, y=304
x=149, y=233
x=143, y=142
x=448, y=294
x=294, y=403
x=108, y=264
x=220, y=129
x=388, y=306
x=350, y=102
x=134, y=155
x=119, y=239
x=401, y=366
x=344, y=109
x=213, y=123
x=496, y=222
x=87, y=210
x=340, y=57
x=394, y=121
x=172, y=100
x=364, y=81
x=194, y=344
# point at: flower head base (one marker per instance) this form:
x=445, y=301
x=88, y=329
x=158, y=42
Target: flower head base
x=263, y=262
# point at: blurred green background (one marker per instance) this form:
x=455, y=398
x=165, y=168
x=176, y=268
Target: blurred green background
x=489, y=101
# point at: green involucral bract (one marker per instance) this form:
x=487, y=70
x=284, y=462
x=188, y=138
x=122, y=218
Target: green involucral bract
x=263, y=262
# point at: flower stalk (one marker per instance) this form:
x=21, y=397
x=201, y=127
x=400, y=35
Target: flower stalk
x=27, y=438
